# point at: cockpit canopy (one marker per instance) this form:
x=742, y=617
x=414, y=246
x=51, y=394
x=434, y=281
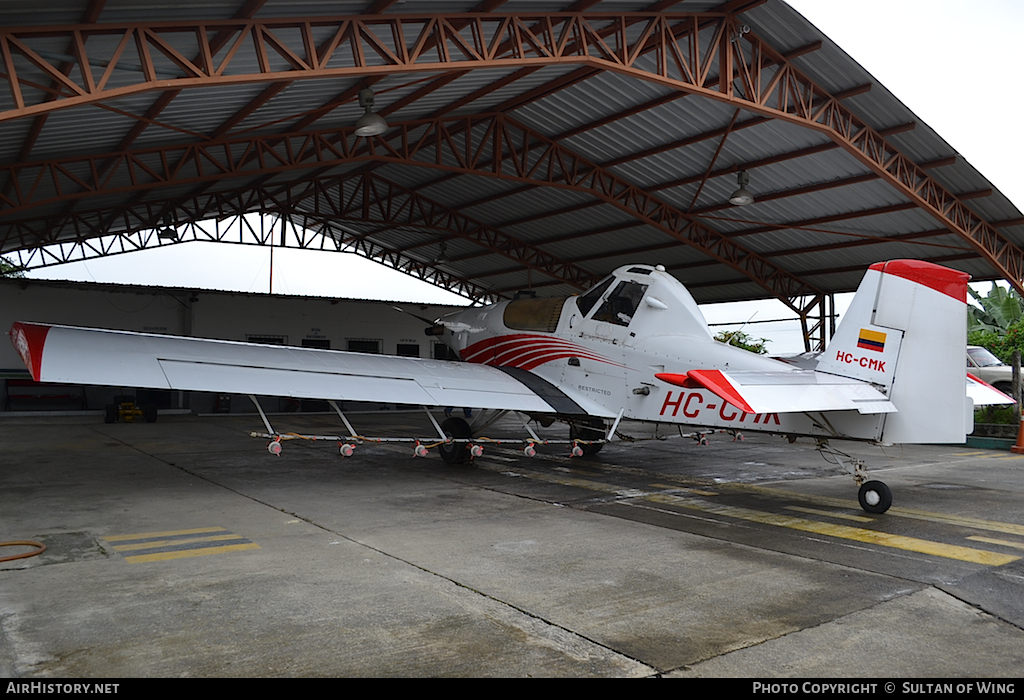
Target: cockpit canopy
x=618, y=297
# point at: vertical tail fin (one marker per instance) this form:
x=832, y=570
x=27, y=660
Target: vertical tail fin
x=906, y=330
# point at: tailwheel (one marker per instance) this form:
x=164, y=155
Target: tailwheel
x=455, y=452
x=874, y=497
x=587, y=429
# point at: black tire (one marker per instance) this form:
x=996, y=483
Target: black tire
x=1005, y=387
x=588, y=429
x=455, y=452
x=110, y=413
x=874, y=497
x=149, y=412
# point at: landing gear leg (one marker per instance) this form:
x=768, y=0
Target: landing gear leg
x=873, y=496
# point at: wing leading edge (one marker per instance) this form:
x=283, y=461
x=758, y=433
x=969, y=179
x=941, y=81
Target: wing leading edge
x=73, y=355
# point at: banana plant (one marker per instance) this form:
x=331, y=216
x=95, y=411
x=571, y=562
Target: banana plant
x=1000, y=309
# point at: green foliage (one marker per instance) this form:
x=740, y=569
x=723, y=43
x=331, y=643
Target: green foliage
x=9, y=269
x=743, y=340
x=1002, y=344
x=999, y=324
x=1000, y=309
x=1000, y=415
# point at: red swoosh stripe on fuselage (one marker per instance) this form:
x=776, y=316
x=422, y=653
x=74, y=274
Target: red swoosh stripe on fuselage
x=527, y=351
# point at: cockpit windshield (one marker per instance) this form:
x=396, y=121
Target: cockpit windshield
x=622, y=303
x=587, y=301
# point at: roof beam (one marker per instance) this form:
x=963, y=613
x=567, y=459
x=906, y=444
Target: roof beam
x=751, y=75
x=518, y=159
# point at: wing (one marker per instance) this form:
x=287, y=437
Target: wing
x=792, y=391
x=73, y=355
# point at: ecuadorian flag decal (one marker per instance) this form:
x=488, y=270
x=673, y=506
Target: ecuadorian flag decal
x=871, y=340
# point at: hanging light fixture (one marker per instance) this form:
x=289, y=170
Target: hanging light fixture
x=168, y=232
x=371, y=123
x=742, y=197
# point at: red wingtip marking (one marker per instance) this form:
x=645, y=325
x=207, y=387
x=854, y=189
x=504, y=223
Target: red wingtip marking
x=28, y=339
x=715, y=381
x=942, y=279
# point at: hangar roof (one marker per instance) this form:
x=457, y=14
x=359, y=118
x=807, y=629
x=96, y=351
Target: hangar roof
x=530, y=144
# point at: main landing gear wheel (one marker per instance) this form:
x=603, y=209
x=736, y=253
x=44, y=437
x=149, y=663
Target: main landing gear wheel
x=455, y=452
x=588, y=429
x=874, y=497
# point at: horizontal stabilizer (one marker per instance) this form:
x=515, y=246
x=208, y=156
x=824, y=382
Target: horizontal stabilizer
x=793, y=391
x=984, y=394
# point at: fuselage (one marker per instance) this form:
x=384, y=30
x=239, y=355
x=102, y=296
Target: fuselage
x=605, y=346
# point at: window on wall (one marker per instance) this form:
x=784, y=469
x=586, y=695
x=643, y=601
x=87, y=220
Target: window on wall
x=408, y=350
x=364, y=345
x=267, y=339
x=443, y=352
x=322, y=343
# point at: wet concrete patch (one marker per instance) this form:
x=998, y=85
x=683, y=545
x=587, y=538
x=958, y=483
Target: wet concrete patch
x=61, y=548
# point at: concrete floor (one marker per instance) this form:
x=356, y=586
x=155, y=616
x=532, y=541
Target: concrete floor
x=182, y=548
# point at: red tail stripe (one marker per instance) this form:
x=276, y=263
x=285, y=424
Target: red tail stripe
x=952, y=283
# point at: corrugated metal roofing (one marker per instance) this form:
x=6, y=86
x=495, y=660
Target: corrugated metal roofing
x=821, y=213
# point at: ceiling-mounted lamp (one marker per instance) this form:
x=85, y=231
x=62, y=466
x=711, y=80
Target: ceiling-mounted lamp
x=168, y=232
x=742, y=197
x=371, y=123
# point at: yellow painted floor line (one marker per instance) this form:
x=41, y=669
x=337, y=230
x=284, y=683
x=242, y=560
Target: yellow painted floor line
x=971, y=454
x=588, y=484
x=832, y=514
x=173, y=543
x=185, y=553
x=846, y=532
x=677, y=487
x=914, y=544
x=913, y=513
x=993, y=540
x=169, y=533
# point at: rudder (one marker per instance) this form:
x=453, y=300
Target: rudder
x=906, y=330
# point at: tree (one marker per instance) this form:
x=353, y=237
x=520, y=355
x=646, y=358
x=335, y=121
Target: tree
x=1000, y=309
x=743, y=340
x=9, y=269
x=999, y=324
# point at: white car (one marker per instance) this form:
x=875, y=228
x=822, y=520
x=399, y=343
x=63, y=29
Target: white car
x=989, y=368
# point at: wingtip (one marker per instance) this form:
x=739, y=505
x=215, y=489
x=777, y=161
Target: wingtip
x=28, y=339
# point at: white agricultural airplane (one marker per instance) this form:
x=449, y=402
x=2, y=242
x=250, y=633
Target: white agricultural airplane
x=634, y=346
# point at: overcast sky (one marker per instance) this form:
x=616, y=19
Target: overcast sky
x=955, y=64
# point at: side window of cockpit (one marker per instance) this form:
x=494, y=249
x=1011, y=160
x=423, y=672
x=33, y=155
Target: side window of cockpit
x=621, y=304
x=587, y=301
